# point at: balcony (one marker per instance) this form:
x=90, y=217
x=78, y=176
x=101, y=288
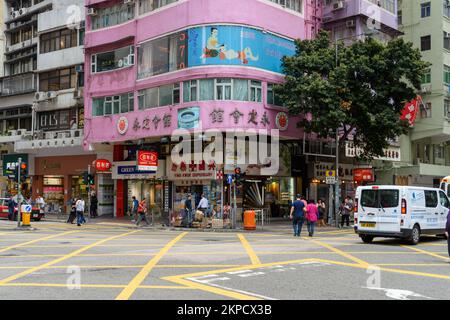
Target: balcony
x=20, y=84
x=25, y=13
x=13, y=135
x=50, y=140
x=27, y=44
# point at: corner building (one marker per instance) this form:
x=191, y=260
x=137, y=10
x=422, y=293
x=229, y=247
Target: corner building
x=152, y=67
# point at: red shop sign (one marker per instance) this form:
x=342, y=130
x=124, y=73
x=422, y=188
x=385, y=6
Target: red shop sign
x=363, y=174
x=147, y=160
x=102, y=165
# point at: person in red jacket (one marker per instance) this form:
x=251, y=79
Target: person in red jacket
x=447, y=232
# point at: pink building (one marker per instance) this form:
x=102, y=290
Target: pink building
x=154, y=66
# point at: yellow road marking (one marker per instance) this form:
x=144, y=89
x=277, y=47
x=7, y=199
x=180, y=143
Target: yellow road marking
x=433, y=254
x=162, y=266
x=248, y=248
x=99, y=286
x=412, y=264
x=137, y=280
x=65, y=257
x=34, y=241
x=341, y=253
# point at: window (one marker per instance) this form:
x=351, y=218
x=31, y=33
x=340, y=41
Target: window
x=425, y=43
x=385, y=198
x=446, y=40
x=240, y=89
x=447, y=108
x=446, y=75
x=425, y=110
x=438, y=151
x=58, y=79
x=223, y=89
x=117, y=59
x=159, y=96
x=426, y=78
x=272, y=97
x=446, y=9
x=58, y=40
x=425, y=9
x=206, y=89
x=255, y=91
x=162, y=55
x=296, y=5
x=389, y=198
x=15, y=37
x=112, y=16
x=399, y=17
x=113, y=104
x=431, y=199
x=81, y=33
x=444, y=200
x=150, y=5
x=190, y=91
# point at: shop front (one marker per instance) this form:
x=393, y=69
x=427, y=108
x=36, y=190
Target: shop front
x=130, y=182
x=58, y=179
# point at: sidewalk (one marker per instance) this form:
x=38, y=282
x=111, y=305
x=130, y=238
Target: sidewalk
x=277, y=225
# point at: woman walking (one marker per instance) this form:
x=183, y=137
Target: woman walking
x=322, y=213
x=311, y=216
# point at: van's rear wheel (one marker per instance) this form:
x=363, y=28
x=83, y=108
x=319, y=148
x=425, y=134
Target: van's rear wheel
x=366, y=238
x=415, y=235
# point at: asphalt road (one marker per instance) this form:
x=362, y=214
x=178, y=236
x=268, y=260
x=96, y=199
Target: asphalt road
x=116, y=261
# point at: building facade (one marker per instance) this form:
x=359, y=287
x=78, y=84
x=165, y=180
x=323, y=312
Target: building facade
x=152, y=67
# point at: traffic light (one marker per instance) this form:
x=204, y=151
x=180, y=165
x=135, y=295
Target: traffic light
x=23, y=172
x=85, y=177
x=90, y=179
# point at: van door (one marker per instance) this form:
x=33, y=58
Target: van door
x=389, y=213
x=432, y=208
x=368, y=210
x=444, y=209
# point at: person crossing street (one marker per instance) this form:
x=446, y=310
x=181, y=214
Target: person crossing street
x=80, y=205
x=142, y=212
x=297, y=215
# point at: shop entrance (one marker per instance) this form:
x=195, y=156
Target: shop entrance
x=53, y=193
x=151, y=190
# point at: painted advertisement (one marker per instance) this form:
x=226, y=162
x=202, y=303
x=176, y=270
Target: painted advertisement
x=237, y=45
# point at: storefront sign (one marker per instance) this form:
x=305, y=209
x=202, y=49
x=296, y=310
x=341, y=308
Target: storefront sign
x=321, y=168
x=188, y=118
x=58, y=120
x=282, y=121
x=10, y=163
x=191, y=171
x=363, y=175
x=147, y=160
x=410, y=110
x=122, y=125
x=102, y=165
x=128, y=170
x=392, y=153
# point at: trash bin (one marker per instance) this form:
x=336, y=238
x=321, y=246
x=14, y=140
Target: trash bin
x=249, y=220
x=26, y=216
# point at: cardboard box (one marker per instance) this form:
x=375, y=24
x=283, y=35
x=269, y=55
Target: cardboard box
x=217, y=224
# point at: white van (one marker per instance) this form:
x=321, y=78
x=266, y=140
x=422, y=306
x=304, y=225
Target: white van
x=400, y=212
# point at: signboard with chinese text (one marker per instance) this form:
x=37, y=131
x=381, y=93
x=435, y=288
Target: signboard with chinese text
x=363, y=175
x=147, y=160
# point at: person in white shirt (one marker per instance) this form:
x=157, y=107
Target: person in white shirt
x=80, y=211
x=40, y=202
x=203, y=204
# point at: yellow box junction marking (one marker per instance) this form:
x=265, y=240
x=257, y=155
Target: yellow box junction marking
x=139, y=278
x=248, y=248
x=433, y=254
x=341, y=253
x=34, y=241
x=65, y=257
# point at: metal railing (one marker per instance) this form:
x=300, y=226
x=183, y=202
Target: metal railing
x=18, y=84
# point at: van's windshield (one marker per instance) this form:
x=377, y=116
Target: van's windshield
x=384, y=198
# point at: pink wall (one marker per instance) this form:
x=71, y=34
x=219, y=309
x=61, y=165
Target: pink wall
x=257, y=13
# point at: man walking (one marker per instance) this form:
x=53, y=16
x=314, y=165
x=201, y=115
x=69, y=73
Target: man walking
x=142, y=211
x=297, y=215
x=203, y=204
x=80, y=211
x=11, y=207
x=188, y=208
x=94, y=204
x=134, y=209
x=346, y=211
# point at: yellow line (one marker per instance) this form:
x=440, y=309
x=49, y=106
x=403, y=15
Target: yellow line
x=59, y=285
x=251, y=253
x=68, y=256
x=342, y=253
x=34, y=241
x=412, y=264
x=137, y=280
x=162, y=266
x=426, y=252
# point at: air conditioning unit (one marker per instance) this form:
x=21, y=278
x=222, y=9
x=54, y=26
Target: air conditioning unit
x=78, y=94
x=426, y=89
x=14, y=14
x=338, y=5
x=51, y=94
x=128, y=2
x=91, y=12
x=40, y=96
x=23, y=11
x=350, y=23
x=122, y=62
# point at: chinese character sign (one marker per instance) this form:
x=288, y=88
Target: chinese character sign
x=147, y=160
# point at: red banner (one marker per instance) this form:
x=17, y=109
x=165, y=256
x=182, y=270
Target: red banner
x=147, y=160
x=363, y=175
x=410, y=110
x=102, y=165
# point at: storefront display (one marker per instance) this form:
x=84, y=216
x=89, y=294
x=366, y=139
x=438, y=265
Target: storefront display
x=53, y=192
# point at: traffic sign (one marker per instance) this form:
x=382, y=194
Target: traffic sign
x=25, y=208
x=330, y=173
x=229, y=178
x=219, y=175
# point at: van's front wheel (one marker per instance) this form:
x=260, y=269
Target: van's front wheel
x=366, y=238
x=415, y=235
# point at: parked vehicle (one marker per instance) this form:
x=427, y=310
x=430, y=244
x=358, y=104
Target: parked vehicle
x=36, y=213
x=400, y=212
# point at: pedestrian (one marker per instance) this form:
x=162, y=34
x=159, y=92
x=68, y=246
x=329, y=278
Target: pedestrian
x=94, y=204
x=346, y=211
x=135, y=208
x=447, y=233
x=322, y=213
x=312, y=213
x=73, y=210
x=188, y=208
x=304, y=201
x=142, y=212
x=40, y=203
x=297, y=215
x=80, y=211
x=11, y=207
x=203, y=204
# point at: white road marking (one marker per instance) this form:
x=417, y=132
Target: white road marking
x=399, y=294
x=246, y=275
x=240, y=271
x=209, y=280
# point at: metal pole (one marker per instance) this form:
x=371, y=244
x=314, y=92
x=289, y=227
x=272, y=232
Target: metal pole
x=221, y=194
x=235, y=205
x=19, y=195
x=89, y=190
x=337, y=191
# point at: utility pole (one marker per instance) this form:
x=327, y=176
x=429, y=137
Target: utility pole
x=89, y=190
